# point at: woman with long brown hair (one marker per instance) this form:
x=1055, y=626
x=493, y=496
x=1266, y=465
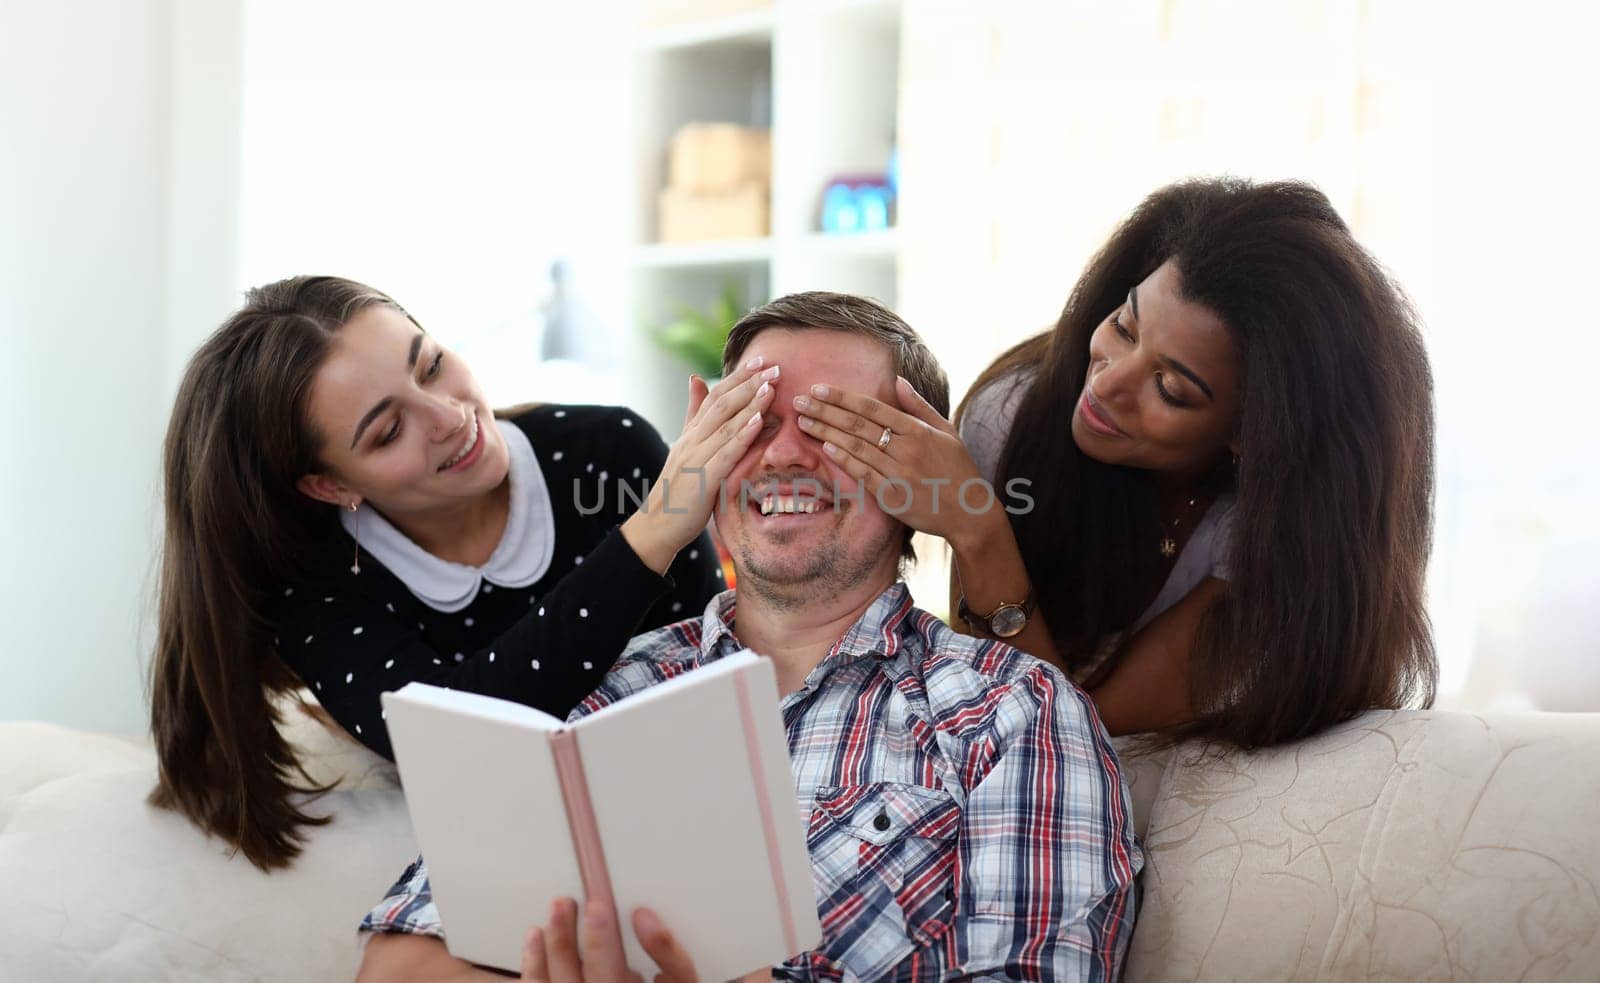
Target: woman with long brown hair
x=1220, y=474
x=345, y=513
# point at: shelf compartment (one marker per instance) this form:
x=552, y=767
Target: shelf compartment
x=690, y=255
x=743, y=29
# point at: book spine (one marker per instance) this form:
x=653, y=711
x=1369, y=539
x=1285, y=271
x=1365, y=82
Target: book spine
x=769, y=828
x=580, y=820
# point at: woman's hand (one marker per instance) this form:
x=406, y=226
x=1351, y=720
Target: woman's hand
x=927, y=479
x=719, y=427
x=566, y=952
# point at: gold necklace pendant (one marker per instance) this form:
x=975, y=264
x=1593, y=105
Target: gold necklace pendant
x=1169, y=543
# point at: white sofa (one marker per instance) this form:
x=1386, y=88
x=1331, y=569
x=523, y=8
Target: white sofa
x=1401, y=846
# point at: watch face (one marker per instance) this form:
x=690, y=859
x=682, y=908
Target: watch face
x=1008, y=621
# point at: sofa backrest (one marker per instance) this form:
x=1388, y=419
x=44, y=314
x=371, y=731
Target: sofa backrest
x=1403, y=845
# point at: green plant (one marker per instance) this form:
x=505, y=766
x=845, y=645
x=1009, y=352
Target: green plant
x=698, y=336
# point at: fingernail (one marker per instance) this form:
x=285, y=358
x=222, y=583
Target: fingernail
x=751, y=423
x=832, y=450
x=646, y=920
x=821, y=392
x=771, y=373
x=754, y=363
x=766, y=387
x=806, y=423
x=802, y=402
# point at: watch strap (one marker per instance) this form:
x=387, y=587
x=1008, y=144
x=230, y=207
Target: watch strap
x=985, y=622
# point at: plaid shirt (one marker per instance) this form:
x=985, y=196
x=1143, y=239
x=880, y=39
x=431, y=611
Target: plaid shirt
x=968, y=815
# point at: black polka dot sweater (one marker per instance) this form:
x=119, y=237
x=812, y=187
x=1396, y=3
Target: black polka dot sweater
x=352, y=636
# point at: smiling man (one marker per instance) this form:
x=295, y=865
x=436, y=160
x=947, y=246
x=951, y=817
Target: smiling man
x=967, y=813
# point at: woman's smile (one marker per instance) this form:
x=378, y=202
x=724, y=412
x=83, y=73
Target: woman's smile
x=468, y=455
x=1097, y=417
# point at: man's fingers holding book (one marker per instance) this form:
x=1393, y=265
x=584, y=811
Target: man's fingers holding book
x=676, y=966
x=534, y=964
x=588, y=948
x=560, y=961
x=600, y=945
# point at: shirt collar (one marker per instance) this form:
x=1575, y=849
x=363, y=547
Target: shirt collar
x=521, y=558
x=876, y=633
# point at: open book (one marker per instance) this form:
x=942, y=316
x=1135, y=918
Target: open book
x=678, y=798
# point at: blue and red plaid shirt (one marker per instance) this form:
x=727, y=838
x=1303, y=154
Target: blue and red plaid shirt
x=968, y=814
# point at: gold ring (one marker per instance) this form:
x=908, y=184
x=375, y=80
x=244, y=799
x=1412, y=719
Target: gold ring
x=883, y=442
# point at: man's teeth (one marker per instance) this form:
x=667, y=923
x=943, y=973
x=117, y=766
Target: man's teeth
x=471, y=443
x=774, y=504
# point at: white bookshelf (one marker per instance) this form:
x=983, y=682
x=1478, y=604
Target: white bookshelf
x=690, y=255
x=742, y=27
x=823, y=74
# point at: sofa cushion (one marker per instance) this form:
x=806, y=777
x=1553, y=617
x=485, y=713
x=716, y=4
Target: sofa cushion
x=1144, y=769
x=327, y=752
x=101, y=886
x=1408, y=845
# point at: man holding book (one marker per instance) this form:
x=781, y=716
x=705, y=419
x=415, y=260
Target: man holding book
x=967, y=815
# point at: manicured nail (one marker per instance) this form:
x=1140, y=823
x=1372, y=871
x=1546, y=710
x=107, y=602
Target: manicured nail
x=802, y=402
x=751, y=423
x=806, y=423
x=832, y=450
x=766, y=387
x=754, y=363
x=821, y=392
x=771, y=373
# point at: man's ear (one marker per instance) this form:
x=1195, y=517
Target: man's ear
x=324, y=488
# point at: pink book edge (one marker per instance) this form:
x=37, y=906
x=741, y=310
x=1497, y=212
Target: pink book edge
x=580, y=820
x=586, y=834
x=769, y=828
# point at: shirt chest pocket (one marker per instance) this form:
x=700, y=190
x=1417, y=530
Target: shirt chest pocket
x=885, y=857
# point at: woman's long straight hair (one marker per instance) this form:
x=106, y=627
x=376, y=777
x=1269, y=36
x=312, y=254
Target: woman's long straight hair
x=1324, y=614
x=236, y=531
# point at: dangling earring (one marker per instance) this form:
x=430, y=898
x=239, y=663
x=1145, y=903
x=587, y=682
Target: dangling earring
x=355, y=563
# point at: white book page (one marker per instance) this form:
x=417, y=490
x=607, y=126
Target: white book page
x=670, y=778
x=487, y=810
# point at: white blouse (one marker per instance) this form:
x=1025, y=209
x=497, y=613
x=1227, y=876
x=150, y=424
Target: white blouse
x=521, y=558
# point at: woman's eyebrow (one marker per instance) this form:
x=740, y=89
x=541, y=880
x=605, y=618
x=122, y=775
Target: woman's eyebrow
x=1189, y=374
x=388, y=401
x=372, y=414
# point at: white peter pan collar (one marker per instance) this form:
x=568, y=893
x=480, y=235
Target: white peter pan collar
x=521, y=558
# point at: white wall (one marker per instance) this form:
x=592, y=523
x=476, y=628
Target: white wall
x=445, y=154
x=1449, y=136
x=114, y=226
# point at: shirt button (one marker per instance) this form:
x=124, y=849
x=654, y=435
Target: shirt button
x=881, y=823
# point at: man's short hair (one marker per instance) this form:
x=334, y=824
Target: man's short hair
x=825, y=311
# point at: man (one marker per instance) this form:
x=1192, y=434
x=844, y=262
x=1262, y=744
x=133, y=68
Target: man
x=968, y=816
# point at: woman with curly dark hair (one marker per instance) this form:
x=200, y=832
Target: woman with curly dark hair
x=1220, y=463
